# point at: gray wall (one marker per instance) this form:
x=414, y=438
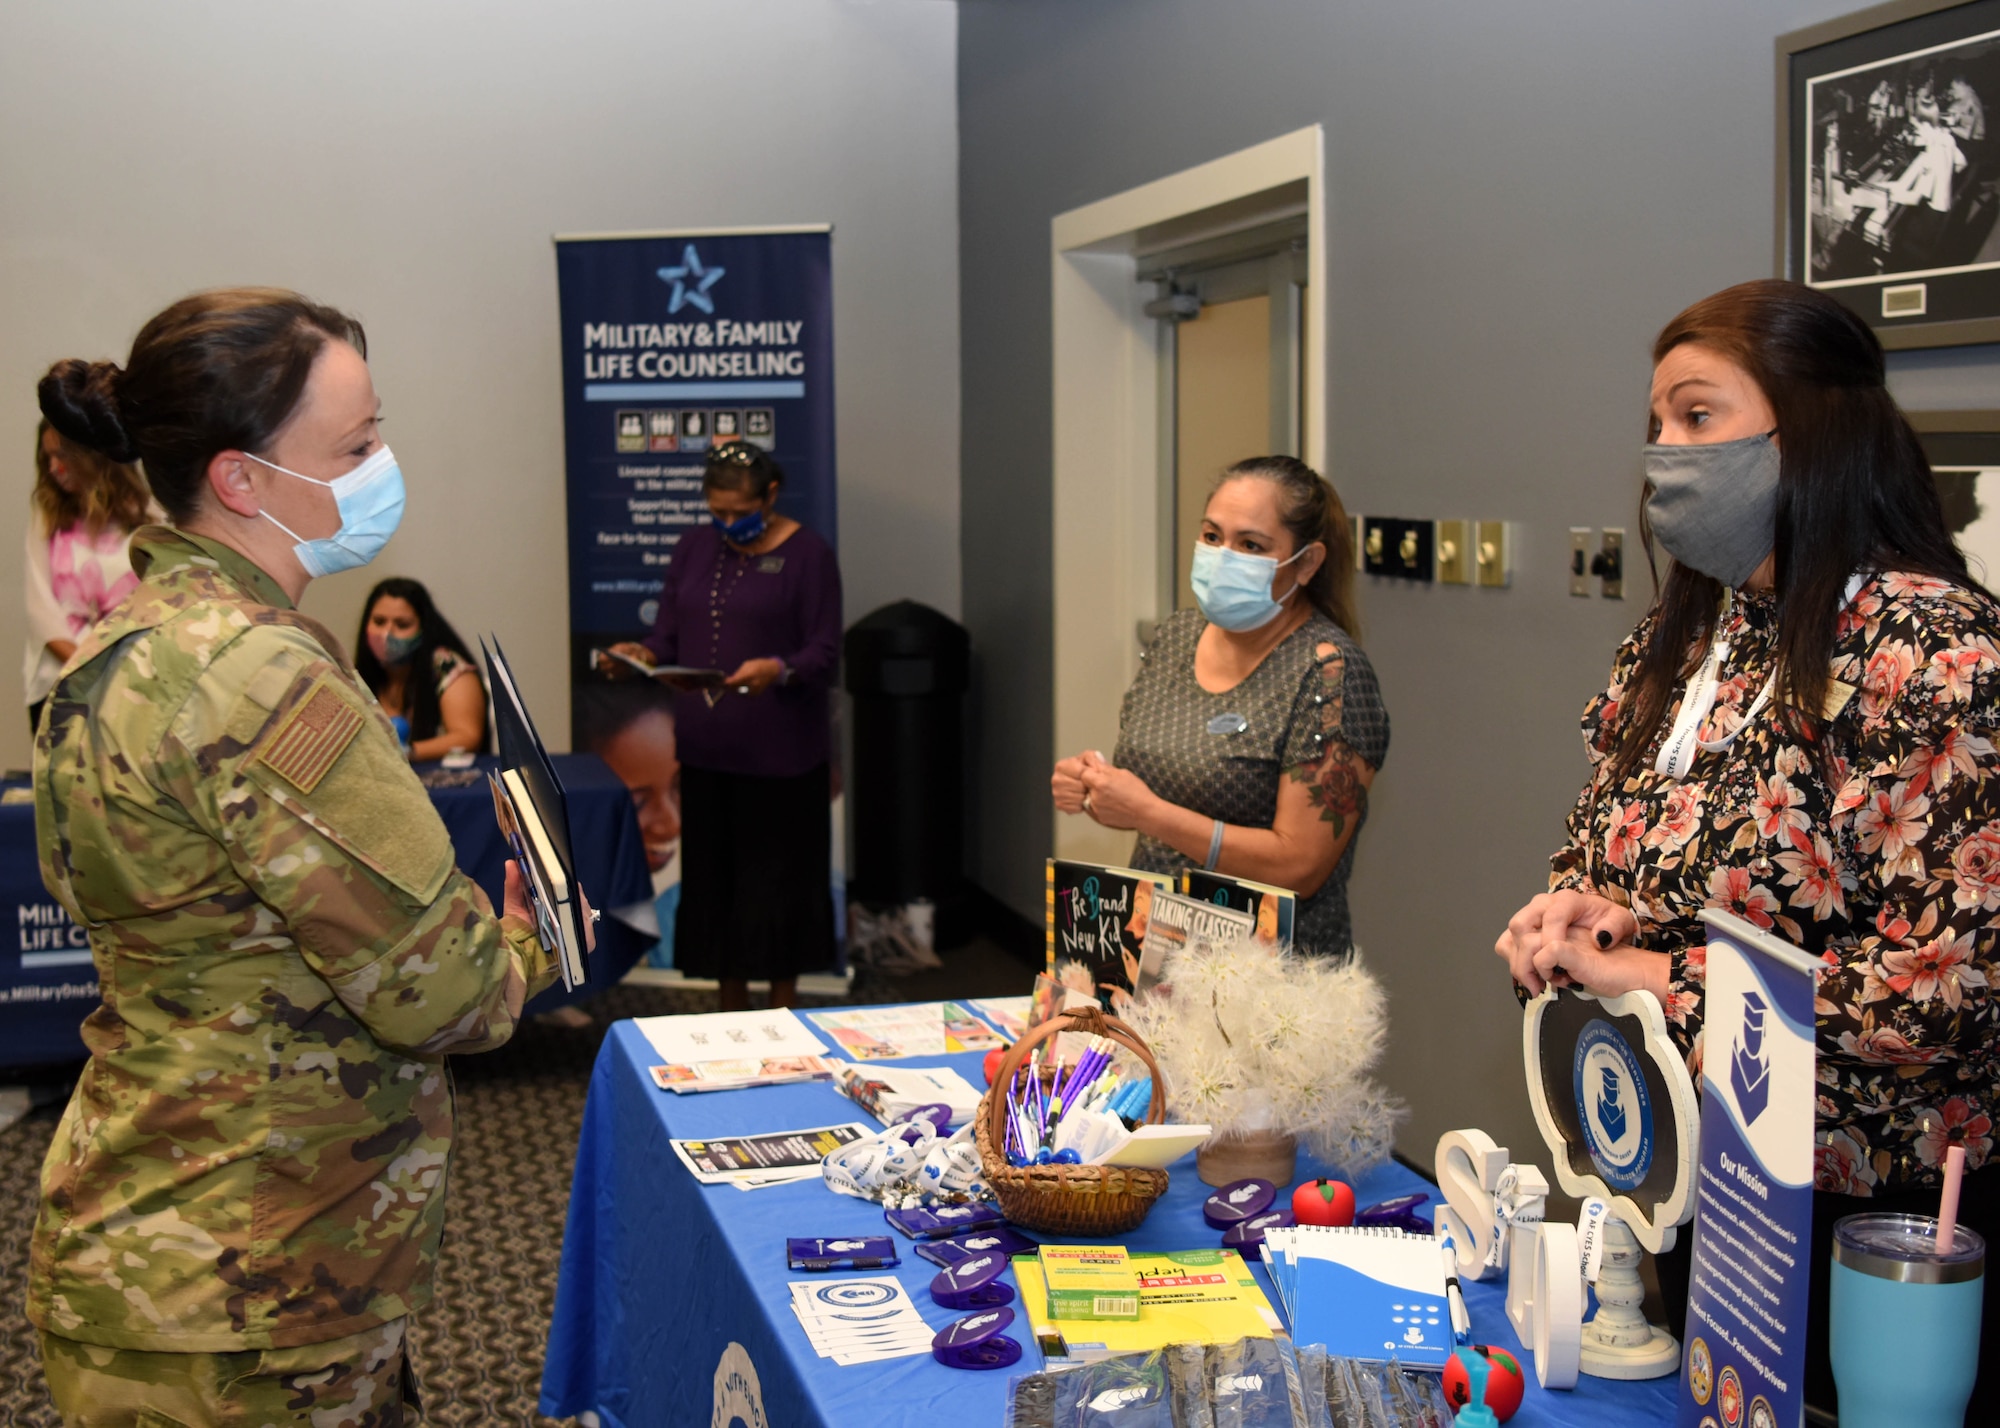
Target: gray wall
x=1518, y=197
x=410, y=162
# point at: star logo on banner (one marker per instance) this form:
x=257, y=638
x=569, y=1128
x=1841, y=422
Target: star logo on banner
x=691, y=283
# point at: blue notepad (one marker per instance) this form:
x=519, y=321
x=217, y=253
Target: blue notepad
x=1364, y=1292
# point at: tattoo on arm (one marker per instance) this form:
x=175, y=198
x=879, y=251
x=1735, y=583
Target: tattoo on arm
x=1335, y=788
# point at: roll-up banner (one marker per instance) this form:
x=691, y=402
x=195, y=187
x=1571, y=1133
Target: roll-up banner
x=1746, y=1327
x=672, y=343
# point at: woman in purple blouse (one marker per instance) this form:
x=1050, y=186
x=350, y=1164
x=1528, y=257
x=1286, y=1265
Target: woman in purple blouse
x=756, y=595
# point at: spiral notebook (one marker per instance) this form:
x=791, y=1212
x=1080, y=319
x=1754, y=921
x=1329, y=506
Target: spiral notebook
x=1365, y=1292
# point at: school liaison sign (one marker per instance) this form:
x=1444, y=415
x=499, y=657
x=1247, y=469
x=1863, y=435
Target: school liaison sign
x=672, y=343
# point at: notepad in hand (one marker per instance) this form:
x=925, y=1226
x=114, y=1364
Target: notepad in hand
x=1364, y=1292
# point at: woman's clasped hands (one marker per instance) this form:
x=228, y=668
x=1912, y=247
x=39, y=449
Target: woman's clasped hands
x=1090, y=783
x=1579, y=939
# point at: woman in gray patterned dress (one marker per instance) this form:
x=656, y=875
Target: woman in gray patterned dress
x=1249, y=739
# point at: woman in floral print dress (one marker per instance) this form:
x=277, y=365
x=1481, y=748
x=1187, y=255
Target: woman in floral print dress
x=1866, y=830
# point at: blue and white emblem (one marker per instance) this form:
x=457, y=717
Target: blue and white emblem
x=1613, y=1107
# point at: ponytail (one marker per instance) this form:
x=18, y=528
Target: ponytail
x=1311, y=511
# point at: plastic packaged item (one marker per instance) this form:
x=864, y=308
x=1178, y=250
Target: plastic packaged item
x=1254, y=1383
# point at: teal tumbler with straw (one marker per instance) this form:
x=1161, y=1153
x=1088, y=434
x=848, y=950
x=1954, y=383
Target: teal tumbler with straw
x=1904, y=1313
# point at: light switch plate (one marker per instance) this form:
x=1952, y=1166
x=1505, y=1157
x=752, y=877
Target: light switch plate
x=1612, y=549
x=1454, y=552
x=1579, y=561
x=1493, y=553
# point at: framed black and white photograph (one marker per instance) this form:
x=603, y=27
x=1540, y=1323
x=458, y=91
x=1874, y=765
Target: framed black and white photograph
x=1964, y=448
x=1888, y=174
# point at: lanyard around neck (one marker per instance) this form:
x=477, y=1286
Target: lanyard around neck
x=1684, y=742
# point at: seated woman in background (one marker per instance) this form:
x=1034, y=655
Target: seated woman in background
x=1250, y=736
x=78, y=564
x=403, y=635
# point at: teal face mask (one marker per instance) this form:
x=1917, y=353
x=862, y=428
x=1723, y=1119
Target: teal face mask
x=1234, y=589
x=370, y=501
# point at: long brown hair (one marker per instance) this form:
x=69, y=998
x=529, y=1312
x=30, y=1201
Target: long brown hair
x=1855, y=493
x=1311, y=511
x=217, y=370
x=109, y=493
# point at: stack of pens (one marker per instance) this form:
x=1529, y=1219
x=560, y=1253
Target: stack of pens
x=1061, y=1117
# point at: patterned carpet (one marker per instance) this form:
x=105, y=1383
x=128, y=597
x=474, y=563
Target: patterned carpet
x=478, y=1348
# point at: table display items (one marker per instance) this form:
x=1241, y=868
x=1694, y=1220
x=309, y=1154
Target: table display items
x=772, y=1158
x=1750, y=1278
x=1271, y=1050
x=842, y=1252
x=860, y=1321
x=910, y=1163
x=1247, y=1235
x=1614, y=1101
x=1474, y=1411
x=1903, y=1314
x=973, y=1283
x=1398, y=1212
x=1505, y=1385
x=1007, y=1240
x=1096, y=928
x=1062, y=1197
x=1323, y=1202
x=1364, y=1292
x=1185, y=1296
x=893, y=1093
x=978, y=1341
x=1252, y=1382
x=1089, y=1281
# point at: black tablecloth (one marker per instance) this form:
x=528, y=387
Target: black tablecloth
x=48, y=986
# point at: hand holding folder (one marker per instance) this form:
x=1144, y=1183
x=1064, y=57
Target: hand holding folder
x=533, y=813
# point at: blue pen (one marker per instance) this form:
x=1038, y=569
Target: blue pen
x=1461, y=1321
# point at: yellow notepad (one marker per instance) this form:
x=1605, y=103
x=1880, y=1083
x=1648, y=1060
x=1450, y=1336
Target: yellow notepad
x=1089, y=1282
x=1198, y=1296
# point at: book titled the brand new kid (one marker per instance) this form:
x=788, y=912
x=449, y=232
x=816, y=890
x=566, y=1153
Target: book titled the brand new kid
x=1096, y=929
x=1272, y=908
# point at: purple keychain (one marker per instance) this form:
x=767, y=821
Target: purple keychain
x=978, y=1341
x=1399, y=1213
x=944, y=1220
x=973, y=1283
x=1004, y=1238
x=1238, y=1201
x=1246, y=1235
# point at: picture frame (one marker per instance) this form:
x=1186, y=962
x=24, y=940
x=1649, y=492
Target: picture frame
x=1964, y=449
x=1888, y=171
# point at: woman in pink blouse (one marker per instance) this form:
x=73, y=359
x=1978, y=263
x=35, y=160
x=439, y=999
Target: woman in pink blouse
x=85, y=510
x=1835, y=781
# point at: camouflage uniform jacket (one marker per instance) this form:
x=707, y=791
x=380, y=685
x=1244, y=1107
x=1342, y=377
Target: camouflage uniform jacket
x=255, y=1156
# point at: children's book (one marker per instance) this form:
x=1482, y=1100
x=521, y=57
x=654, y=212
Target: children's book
x=1096, y=930
x=1179, y=923
x=1272, y=909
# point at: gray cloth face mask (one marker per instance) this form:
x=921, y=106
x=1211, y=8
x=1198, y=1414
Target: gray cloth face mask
x=1715, y=508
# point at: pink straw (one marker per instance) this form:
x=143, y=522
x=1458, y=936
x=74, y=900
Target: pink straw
x=1954, y=1171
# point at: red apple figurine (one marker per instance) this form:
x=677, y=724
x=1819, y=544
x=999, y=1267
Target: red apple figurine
x=993, y=1060
x=1323, y=1202
x=1505, y=1383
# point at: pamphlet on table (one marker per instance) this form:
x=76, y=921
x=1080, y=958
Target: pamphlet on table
x=729, y=1036
x=889, y=1093
x=893, y=1033
x=859, y=1321
x=738, y=1075
x=723, y=1160
x=1363, y=1291
x=1006, y=1015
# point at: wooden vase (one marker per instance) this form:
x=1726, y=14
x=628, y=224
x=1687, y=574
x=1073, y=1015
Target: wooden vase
x=1261, y=1155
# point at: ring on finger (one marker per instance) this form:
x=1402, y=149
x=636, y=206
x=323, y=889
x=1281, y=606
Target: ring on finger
x=1086, y=800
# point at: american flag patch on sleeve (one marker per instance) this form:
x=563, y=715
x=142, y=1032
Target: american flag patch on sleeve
x=311, y=738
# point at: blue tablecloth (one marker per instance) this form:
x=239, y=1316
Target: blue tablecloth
x=47, y=985
x=661, y=1275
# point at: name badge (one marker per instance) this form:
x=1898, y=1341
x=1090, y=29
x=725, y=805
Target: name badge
x=770, y=565
x=1228, y=724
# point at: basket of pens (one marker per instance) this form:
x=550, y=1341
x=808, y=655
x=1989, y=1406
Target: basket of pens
x=1041, y=1183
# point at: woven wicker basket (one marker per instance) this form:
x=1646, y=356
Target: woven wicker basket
x=1083, y=1200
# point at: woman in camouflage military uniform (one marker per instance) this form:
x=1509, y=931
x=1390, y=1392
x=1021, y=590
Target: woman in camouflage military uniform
x=245, y=1198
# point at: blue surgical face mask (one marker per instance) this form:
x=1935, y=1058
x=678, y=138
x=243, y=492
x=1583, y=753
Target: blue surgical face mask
x=1234, y=589
x=370, y=501
x=741, y=531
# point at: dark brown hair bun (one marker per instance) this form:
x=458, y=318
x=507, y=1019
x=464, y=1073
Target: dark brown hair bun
x=80, y=399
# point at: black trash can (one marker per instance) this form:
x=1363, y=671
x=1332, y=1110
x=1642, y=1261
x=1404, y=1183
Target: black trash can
x=906, y=669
